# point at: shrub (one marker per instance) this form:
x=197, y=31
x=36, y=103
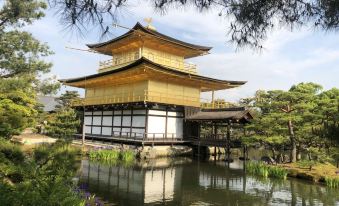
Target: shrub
x=307, y=163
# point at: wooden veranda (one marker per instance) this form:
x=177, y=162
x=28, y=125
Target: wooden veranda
x=216, y=119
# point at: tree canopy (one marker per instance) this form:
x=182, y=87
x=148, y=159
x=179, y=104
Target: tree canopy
x=301, y=118
x=22, y=62
x=249, y=20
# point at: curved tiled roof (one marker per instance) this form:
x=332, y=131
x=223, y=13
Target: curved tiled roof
x=236, y=113
x=161, y=67
x=164, y=37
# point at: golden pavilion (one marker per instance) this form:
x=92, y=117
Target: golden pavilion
x=145, y=90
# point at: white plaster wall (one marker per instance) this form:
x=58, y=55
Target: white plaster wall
x=125, y=131
x=108, y=112
x=156, y=112
x=176, y=114
x=126, y=121
x=88, y=113
x=117, y=121
x=97, y=113
x=174, y=126
x=127, y=111
x=117, y=112
x=138, y=121
x=88, y=129
x=107, y=131
x=156, y=125
x=107, y=121
x=97, y=120
x=139, y=111
x=116, y=130
x=96, y=130
x=139, y=132
x=88, y=120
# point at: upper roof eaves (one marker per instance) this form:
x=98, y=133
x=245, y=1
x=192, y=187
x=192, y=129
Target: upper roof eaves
x=164, y=37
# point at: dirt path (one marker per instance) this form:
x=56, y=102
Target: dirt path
x=30, y=138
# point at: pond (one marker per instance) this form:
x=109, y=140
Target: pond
x=186, y=181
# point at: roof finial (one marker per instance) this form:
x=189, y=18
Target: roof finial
x=149, y=21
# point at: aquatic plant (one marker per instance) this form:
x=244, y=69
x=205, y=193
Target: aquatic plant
x=112, y=156
x=264, y=170
x=278, y=172
x=127, y=156
x=332, y=182
x=104, y=155
x=87, y=198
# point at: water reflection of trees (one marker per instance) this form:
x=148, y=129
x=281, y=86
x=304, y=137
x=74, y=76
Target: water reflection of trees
x=187, y=182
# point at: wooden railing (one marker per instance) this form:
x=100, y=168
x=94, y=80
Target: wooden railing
x=152, y=96
x=134, y=137
x=205, y=104
x=116, y=62
x=146, y=96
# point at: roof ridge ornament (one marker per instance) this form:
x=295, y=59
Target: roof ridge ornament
x=149, y=20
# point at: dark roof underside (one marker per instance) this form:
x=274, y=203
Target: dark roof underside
x=161, y=67
x=138, y=26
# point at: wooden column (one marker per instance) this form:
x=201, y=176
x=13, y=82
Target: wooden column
x=213, y=99
x=228, y=139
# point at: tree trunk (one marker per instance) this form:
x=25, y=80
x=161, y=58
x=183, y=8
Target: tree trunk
x=293, y=143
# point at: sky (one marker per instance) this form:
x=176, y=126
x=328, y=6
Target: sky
x=288, y=57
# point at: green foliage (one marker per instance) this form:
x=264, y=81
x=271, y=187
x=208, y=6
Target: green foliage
x=19, y=13
x=332, y=182
x=127, y=156
x=105, y=155
x=112, y=156
x=21, y=63
x=17, y=111
x=68, y=98
x=63, y=124
x=302, y=117
x=264, y=170
x=44, y=177
x=307, y=163
x=21, y=54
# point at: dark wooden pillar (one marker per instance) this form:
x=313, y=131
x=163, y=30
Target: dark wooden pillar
x=228, y=139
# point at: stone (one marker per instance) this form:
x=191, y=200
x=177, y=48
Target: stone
x=268, y=160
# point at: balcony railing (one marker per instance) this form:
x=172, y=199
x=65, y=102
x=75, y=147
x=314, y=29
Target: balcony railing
x=205, y=104
x=116, y=62
x=152, y=96
x=146, y=96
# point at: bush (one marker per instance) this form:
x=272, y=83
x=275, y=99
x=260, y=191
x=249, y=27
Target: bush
x=307, y=163
x=63, y=124
x=43, y=178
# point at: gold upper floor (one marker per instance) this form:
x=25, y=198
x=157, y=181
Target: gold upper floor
x=141, y=42
x=166, y=59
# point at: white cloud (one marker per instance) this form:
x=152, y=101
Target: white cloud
x=288, y=57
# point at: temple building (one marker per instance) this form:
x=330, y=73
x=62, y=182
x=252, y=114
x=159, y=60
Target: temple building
x=146, y=91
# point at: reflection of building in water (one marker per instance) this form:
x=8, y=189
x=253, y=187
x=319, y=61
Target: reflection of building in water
x=132, y=186
x=196, y=183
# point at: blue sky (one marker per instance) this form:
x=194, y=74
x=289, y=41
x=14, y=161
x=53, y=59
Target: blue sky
x=303, y=55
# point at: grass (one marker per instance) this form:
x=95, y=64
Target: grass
x=264, y=170
x=112, y=156
x=332, y=182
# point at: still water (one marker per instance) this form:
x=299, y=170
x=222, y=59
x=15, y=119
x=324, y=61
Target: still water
x=185, y=181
